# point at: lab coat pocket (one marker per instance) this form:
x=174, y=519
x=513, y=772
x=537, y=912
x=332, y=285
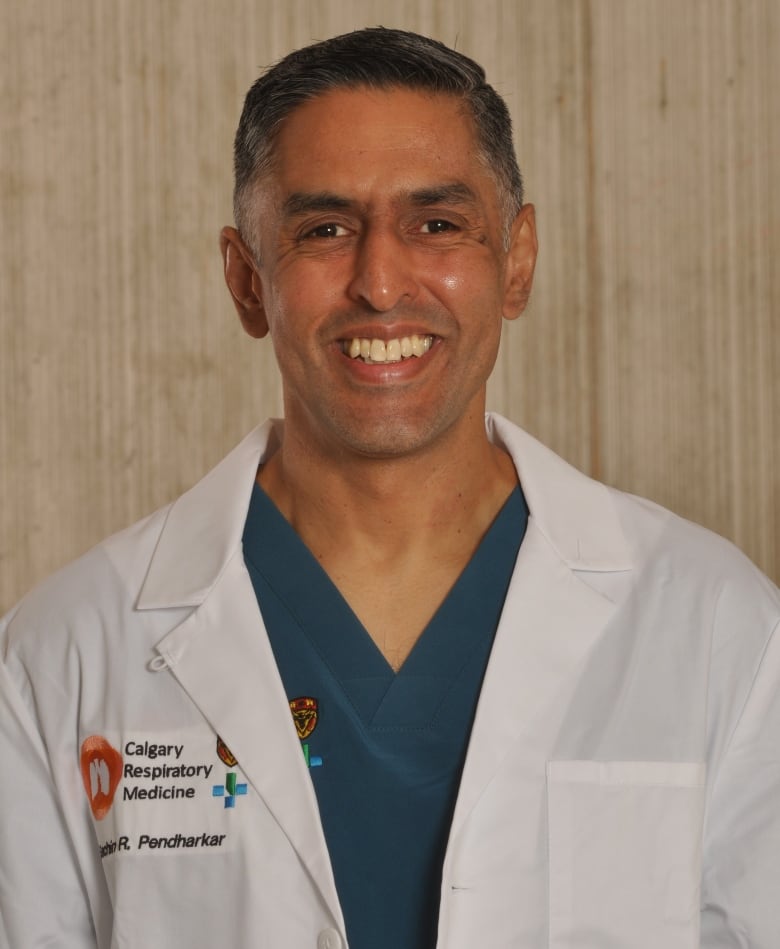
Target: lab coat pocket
x=625, y=854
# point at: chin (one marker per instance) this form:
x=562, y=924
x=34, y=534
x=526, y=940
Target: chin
x=389, y=438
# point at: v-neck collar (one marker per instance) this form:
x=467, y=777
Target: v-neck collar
x=462, y=627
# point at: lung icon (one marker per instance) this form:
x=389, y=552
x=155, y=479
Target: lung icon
x=101, y=772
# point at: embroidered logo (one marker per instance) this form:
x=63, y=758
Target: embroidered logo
x=230, y=790
x=101, y=772
x=313, y=761
x=304, y=712
x=224, y=754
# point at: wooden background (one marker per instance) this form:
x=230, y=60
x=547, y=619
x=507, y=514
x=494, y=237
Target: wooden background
x=649, y=135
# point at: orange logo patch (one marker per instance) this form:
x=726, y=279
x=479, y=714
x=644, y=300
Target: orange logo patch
x=101, y=772
x=304, y=713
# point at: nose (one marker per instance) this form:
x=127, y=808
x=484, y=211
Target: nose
x=384, y=274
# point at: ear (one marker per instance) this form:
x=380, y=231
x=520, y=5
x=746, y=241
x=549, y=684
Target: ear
x=520, y=263
x=243, y=282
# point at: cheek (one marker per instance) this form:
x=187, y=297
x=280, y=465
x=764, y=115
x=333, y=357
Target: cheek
x=301, y=298
x=466, y=279
x=473, y=298
x=447, y=274
x=287, y=309
x=452, y=282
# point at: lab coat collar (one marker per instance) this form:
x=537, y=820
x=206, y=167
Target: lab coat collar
x=204, y=526
x=575, y=514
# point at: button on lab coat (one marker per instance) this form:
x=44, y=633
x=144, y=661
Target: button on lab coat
x=622, y=782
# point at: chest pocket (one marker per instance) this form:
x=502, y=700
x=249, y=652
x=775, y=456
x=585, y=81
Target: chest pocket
x=625, y=854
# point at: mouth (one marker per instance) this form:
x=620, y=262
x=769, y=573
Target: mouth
x=373, y=351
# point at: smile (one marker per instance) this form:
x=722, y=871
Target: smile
x=390, y=350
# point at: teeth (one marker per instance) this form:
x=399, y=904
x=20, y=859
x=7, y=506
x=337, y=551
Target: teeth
x=378, y=351
x=392, y=350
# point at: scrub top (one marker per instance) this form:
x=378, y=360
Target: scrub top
x=385, y=749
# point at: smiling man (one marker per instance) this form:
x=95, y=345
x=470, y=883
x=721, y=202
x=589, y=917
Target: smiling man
x=392, y=674
x=382, y=265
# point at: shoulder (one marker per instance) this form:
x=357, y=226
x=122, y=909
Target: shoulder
x=634, y=544
x=679, y=552
x=655, y=531
x=91, y=590
x=184, y=545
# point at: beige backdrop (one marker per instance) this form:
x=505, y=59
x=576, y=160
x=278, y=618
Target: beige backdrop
x=649, y=133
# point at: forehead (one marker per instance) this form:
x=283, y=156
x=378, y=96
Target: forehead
x=365, y=140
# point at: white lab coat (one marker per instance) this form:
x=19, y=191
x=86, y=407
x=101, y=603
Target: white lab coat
x=622, y=784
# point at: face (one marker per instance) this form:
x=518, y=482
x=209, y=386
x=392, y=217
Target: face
x=382, y=273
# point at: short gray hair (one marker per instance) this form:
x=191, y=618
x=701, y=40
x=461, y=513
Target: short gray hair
x=375, y=58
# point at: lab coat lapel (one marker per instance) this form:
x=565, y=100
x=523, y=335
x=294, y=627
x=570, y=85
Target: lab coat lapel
x=222, y=658
x=552, y=618
x=550, y=622
x=221, y=655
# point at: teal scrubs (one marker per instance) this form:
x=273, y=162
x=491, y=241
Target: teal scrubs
x=385, y=750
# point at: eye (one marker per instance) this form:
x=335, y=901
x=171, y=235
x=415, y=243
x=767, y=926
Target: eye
x=438, y=226
x=324, y=231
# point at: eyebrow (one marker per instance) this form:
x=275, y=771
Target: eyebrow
x=442, y=194
x=304, y=202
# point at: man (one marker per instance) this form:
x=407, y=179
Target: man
x=392, y=674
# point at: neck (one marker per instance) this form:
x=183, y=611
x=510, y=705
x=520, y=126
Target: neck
x=392, y=534
x=449, y=493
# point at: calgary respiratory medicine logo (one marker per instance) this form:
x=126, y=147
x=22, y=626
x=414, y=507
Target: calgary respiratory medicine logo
x=101, y=772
